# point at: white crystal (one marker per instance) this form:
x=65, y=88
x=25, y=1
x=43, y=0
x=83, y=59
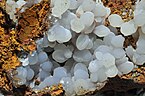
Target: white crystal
x=77, y=25
x=22, y=72
x=100, y=10
x=118, y=41
x=107, y=39
x=30, y=73
x=46, y=66
x=81, y=74
x=60, y=6
x=67, y=85
x=121, y=60
x=139, y=59
x=66, y=18
x=59, y=33
x=82, y=86
x=130, y=51
x=84, y=18
x=102, y=31
x=126, y=67
x=49, y=81
x=43, y=75
x=88, y=5
x=60, y=72
x=58, y=55
x=115, y=20
x=33, y=58
x=83, y=41
x=128, y=28
x=104, y=49
x=82, y=56
x=109, y=60
x=73, y=4
x=98, y=55
x=118, y=53
x=79, y=11
x=101, y=75
x=94, y=77
x=42, y=57
x=80, y=66
x=139, y=16
x=95, y=65
x=143, y=28
x=20, y=3
x=112, y=71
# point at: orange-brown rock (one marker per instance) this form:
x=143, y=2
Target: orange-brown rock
x=32, y=23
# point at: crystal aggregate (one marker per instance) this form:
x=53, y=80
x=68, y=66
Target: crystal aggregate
x=79, y=50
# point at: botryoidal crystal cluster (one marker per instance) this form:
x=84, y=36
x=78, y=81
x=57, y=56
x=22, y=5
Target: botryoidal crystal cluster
x=79, y=50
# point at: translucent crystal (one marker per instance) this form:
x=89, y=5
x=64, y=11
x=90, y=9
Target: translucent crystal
x=60, y=72
x=82, y=56
x=94, y=77
x=46, y=66
x=95, y=65
x=84, y=18
x=22, y=72
x=121, y=60
x=100, y=10
x=67, y=85
x=33, y=58
x=128, y=28
x=58, y=55
x=139, y=16
x=143, y=28
x=20, y=3
x=66, y=18
x=126, y=67
x=30, y=73
x=43, y=75
x=73, y=4
x=60, y=6
x=117, y=41
x=107, y=39
x=138, y=59
x=104, y=49
x=109, y=60
x=82, y=86
x=88, y=5
x=77, y=25
x=81, y=74
x=80, y=66
x=42, y=57
x=101, y=31
x=101, y=75
x=112, y=71
x=115, y=20
x=82, y=41
x=79, y=11
x=130, y=51
x=59, y=33
x=118, y=53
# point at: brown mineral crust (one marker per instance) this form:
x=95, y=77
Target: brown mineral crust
x=121, y=85
x=5, y=83
x=32, y=23
x=124, y=8
x=129, y=40
x=133, y=80
x=137, y=75
x=55, y=90
x=2, y=3
x=8, y=44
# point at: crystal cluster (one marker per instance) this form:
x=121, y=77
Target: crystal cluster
x=79, y=50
